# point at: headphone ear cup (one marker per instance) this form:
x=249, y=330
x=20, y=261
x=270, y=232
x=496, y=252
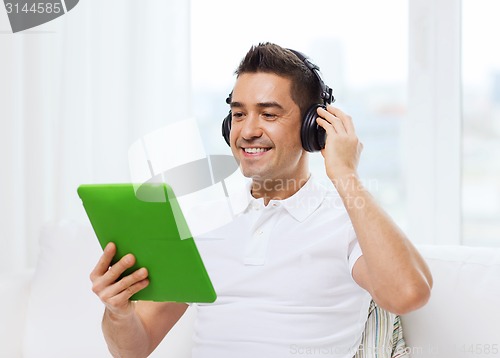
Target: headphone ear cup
x=226, y=128
x=312, y=135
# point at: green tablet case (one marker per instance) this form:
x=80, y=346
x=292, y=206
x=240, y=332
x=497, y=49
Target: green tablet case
x=147, y=221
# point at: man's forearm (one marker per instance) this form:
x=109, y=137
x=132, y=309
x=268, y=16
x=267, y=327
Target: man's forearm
x=126, y=336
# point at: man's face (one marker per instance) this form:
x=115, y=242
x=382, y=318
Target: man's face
x=265, y=129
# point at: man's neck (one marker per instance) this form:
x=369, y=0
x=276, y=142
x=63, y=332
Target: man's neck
x=277, y=189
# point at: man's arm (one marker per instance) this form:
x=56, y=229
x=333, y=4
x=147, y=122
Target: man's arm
x=131, y=329
x=391, y=269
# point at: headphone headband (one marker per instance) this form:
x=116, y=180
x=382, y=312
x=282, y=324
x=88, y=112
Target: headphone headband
x=326, y=92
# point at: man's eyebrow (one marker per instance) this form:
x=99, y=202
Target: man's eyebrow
x=261, y=105
x=236, y=105
x=270, y=105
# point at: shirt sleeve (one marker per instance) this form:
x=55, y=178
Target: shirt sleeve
x=354, y=252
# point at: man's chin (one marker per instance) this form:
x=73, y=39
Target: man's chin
x=251, y=173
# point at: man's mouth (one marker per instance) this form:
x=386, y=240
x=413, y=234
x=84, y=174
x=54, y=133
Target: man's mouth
x=255, y=150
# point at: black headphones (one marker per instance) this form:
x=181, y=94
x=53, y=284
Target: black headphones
x=312, y=135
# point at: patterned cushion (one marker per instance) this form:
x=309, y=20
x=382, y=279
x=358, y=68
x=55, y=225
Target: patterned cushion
x=383, y=335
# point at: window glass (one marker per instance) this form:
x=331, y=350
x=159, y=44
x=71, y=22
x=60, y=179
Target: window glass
x=481, y=122
x=361, y=48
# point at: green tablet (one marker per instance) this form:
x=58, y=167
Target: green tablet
x=146, y=220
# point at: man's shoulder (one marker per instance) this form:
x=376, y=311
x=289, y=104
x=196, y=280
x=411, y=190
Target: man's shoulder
x=326, y=190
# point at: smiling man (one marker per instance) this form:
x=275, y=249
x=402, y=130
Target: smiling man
x=265, y=134
x=301, y=262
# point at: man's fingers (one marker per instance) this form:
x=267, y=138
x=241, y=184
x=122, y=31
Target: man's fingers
x=129, y=291
x=101, y=281
x=341, y=121
x=333, y=120
x=104, y=262
x=107, y=285
x=120, y=303
x=119, y=268
x=130, y=280
x=327, y=126
x=123, y=289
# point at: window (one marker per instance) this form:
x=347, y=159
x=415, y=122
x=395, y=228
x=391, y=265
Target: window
x=481, y=123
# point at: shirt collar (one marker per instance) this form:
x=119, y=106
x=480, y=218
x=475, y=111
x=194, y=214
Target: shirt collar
x=300, y=205
x=305, y=201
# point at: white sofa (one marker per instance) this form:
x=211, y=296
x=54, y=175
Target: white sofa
x=51, y=312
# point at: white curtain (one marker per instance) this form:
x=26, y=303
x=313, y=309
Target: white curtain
x=75, y=93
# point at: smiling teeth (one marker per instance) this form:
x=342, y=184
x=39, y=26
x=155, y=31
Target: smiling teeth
x=255, y=150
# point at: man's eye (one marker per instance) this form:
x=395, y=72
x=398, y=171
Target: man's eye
x=237, y=115
x=269, y=115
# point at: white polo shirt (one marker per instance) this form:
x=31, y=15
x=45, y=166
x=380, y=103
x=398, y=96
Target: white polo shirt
x=282, y=274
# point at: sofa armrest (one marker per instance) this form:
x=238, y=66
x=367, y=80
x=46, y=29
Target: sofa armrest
x=462, y=315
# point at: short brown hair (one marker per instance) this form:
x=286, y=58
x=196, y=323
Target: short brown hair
x=269, y=57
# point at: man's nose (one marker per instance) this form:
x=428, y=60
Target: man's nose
x=251, y=127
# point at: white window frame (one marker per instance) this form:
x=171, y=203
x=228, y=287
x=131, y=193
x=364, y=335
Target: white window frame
x=432, y=131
